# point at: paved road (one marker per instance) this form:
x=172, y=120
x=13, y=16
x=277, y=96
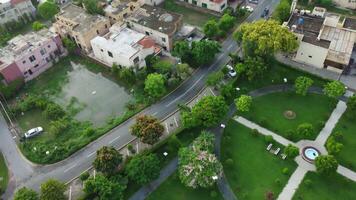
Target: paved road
x=25, y=174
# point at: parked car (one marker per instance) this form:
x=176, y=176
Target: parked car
x=232, y=72
x=248, y=8
x=33, y=132
x=265, y=13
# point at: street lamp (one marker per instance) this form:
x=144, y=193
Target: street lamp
x=238, y=89
x=165, y=153
x=222, y=125
x=215, y=178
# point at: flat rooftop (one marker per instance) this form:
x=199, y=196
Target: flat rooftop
x=350, y=23
x=157, y=19
x=79, y=16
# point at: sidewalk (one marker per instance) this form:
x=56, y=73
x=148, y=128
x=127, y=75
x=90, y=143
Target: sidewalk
x=293, y=184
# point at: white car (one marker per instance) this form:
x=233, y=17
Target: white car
x=248, y=8
x=232, y=72
x=33, y=132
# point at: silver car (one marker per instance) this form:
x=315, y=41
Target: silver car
x=33, y=132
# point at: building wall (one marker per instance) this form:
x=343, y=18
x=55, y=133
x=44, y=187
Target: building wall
x=311, y=54
x=351, y=4
x=13, y=12
x=152, y=2
x=11, y=72
x=132, y=6
x=208, y=4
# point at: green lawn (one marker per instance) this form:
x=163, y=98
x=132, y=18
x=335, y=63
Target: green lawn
x=173, y=189
x=190, y=16
x=326, y=188
x=268, y=111
x=32, y=119
x=347, y=127
x=4, y=174
x=254, y=171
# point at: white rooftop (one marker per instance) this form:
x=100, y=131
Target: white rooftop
x=4, y=1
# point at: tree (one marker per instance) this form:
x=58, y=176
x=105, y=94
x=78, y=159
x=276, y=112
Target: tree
x=211, y=28
x=53, y=111
x=305, y=130
x=226, y=22
x=204, y=142
x=36, y=26
x=291, y=151
x=102, y=188
x=154, y=85
x=252, y=67
x=127, y=75
x=69, y=44
x=143, y=168
x=302, y=84
x=53, y=190
x=182, y=50
x=148, y=129
x=243, y=103
x=107, y=160
x=92, y=7
x=163, y=66
x=334, y=89
x=26, y=194
x=265, y=38
x=47, y=9
x=351, y=103
x=333, y=146
x=183, y=70
x=150, y=61
x=207, y=112
x=215, y=78
x=204, y=51
x=326, y=164
x=282, y=11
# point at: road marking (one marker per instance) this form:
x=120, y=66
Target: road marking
x=114, y=140
x=176, y=99
x=154, y=114
x=212, y=91
x=231, y=45
x=167, y=127
x=70, y=193
x=175, y=120
x=70, y=168
x=91, y=154
x=220, y=56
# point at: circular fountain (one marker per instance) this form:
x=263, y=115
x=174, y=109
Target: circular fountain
x=310, y=154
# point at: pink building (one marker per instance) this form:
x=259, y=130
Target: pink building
x=27, y=56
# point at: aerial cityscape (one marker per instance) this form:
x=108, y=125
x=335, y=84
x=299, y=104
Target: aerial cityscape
x=177, y=99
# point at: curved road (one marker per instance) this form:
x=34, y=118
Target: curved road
x=25, y=174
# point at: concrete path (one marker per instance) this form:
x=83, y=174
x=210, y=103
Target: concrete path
x=263, y=131
x=293, y=184
x=347, y=173
x=330, y=124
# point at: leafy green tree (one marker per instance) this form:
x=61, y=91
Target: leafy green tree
x=183, y=70
x=26, y=194
x=333, y=146
x=150, y=61
x=53, y=190
x=93, y=7
x=211, y=28
x=265, y=38
x=36, y=26
x=204, y=142
x=291, y=151
x=148, y=129
x=182, y=50
x=351, y=103
x=47, y=9
x=243, y=103
x=207, y=112
x=155, y=85
x=107, y=160
x=127, y=75
x=282, y=11
x=143, y=168
x=226, y=22
x=100, y=187
x=57, y=127
x=302, y=84
x=252, y=67
x=163, y=66
x=334, y=89
x=228, y=91
x=215, y=78
x=204, y=51
x=53, y=111
x=69, y=45
x=326, y=164
x=305, y=130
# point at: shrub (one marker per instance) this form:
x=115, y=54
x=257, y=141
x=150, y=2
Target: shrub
x=255, y=132
x=213, y=194
x=305, y=130
x=285, y=171
x=58, y=126
x=269, y=139
x=131, y=149
x=278, y=181
x=338, y=136
x=89, y=132
x=53, y=111
x=291, y=151
x=84, y=176
x=229, y=162
x=174, y=143
x=308, y=182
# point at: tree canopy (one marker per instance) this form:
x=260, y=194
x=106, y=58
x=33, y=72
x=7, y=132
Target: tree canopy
x=143, y=168
x=351, y=102
x=291, y=151
x=36, y=26
x=252, y=67
x=102, y=188
x=155, y=85
x=93, y=7
x=305, y=130
x=226, y=22
x=302, y=84
x=211, y=28
x=334, y=89
x=326, y=164
x=53, y=190
x=26, y=194
x=148, y=129
x=163, y=66
x=243, y=103
x=215, y=78
x=47, y=9
x=282, y=11
x=107, y=160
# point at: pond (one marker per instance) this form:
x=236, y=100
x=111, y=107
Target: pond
x=91, y=97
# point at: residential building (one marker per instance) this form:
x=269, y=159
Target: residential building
x=152, y=2
x=73, y=22
x=117, y=10
x=27, y=56
x=350, y=4
x=123, y=46
x=326, y=40
x=159, y=24
x=15, y=10
x=214, y=5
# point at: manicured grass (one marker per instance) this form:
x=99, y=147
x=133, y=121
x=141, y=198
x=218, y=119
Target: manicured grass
x=173, y=189
x=190, y=16
x=268, y=111
x=326, y=188
x=254, y=171
x=4, y=174
x=347, y=126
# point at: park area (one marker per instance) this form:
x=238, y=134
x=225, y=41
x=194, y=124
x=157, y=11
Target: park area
x=251, y=171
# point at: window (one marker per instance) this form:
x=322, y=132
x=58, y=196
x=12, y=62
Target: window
x=47, y=59
x=310, y=56
x=110, y=54
x=147, y=33
x=30, y=72
x=136, y=60
x=222, y=7
x=32, y=58
x=204, y=5
x=25, y=73
x=97, y=32
x=194, y=2
x=23, y=62
x=101, y=50
x=43, y=51
x=49, y=46
x=35, y=66
x=164, y=39
x=106, y=26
